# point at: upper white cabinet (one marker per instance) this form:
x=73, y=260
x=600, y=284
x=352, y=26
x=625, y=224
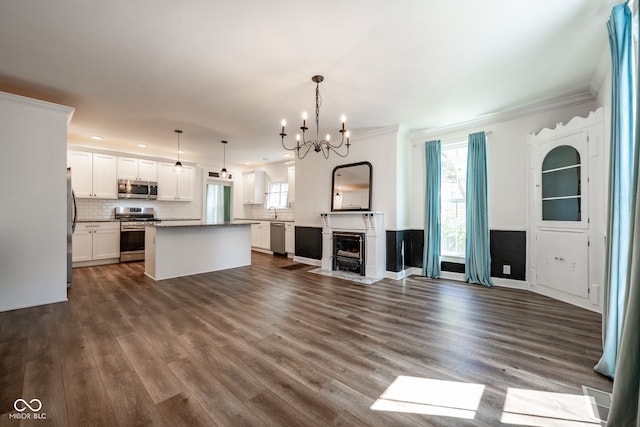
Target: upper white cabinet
x=173, y=185
x=291, y=180
x=93, y=175
x=137, y=169
x=253, y=187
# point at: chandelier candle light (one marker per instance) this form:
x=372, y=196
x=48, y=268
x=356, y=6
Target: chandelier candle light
x=318, y=145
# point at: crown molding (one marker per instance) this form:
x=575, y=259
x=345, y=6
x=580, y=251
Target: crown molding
x=571, y=100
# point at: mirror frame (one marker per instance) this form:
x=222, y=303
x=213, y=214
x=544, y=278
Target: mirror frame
x=333, y=184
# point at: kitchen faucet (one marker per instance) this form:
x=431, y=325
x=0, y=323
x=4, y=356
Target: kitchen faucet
x=275, y=216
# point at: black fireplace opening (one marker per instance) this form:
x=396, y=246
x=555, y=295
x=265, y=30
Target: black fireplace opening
x=348, y=252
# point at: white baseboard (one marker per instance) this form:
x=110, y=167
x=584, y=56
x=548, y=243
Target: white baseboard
x=398, y=275
x=309, y=261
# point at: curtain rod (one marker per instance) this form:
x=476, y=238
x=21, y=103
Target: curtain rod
x=489, y=132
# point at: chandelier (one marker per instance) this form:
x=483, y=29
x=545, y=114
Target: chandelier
x=324, y=146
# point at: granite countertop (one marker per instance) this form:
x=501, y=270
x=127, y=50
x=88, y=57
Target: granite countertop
x=195, y=223
x=265, y=219
x=97, y=220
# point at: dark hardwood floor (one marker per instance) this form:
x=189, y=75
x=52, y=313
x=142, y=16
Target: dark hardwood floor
x=266, y=345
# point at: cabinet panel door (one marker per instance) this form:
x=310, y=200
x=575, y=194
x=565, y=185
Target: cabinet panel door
x=289, y=239
x=105, y=184
x=249, y=186
x=167, y=182
x=185, y=184
x=265, y=235
x=82, y=246
x=147, y=170
x=255, y=235
x=127, y=168
x=81, y=164
x=106, y=244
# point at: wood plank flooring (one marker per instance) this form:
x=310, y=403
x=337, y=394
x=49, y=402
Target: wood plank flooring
x=269, y=346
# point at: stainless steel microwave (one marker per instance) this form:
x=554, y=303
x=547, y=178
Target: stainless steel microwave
x=132, y=189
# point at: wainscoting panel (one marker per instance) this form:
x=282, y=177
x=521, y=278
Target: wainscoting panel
x=309, y=242
x=507, y=248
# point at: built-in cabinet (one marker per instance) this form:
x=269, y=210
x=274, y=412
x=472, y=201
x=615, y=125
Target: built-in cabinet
x=96, y=241
x=137, y=169
x=261, y=235
x=253, y=187
x=289, y=238
x=177, y=186
x=93, y=175
x=567, y=233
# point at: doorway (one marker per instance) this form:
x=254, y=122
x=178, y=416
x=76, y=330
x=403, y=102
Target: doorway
x=218, y=202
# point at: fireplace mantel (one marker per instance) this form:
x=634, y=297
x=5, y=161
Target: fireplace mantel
x=369, y=223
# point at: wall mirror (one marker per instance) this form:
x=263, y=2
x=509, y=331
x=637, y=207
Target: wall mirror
x=351, y=187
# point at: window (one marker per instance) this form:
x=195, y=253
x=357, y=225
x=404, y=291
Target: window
x=453, y=189
x=561, y=192
x=277, y=196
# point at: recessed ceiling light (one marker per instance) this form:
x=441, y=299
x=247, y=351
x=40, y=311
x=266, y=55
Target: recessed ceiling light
x=287, y=155
x=289, y=163
x=97, y=137
x=247, y=163
x=142, y=145
x=179, y=151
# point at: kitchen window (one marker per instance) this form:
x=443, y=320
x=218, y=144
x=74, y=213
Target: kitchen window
x=278, y=195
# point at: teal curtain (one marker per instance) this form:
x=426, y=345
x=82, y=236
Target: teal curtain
x=620, y=193
x=626, y=387
x=477, y=258
x=431, y=255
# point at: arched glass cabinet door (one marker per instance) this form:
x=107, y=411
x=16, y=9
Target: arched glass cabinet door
x=562, y=185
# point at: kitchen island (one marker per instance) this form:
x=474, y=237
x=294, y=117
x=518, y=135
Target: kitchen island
x=181, y=248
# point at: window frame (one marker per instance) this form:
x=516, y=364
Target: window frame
x=279, y=194
x=451, y=257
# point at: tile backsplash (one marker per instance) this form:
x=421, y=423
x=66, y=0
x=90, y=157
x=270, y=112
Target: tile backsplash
x=101, y=210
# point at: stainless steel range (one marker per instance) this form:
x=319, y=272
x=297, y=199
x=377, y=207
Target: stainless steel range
x=132, y=223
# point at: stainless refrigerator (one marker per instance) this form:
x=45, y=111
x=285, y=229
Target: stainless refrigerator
x=72, y=214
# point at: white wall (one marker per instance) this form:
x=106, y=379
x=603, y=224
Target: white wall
x=506, y=158
x=33, y=239
x=314, y=172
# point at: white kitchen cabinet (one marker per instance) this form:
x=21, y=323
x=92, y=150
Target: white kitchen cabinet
x=261, y=235
x=253, y=187
x=93, y=175
x=137, y=169
x=291, y=180
x=93, y=241
x=289, y=238
x=174, y=186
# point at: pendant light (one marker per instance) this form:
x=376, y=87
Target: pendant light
x=178, y=166
x=223, y=173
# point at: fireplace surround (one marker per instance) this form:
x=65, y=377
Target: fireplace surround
x=365, y=227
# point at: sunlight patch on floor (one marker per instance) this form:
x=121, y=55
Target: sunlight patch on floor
x=542, y=408
x=431, y=397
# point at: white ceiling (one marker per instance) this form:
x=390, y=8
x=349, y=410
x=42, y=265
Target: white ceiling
x=232, y=69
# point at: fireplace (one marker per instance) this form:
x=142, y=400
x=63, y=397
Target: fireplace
x=349, y=252
x=364, y=235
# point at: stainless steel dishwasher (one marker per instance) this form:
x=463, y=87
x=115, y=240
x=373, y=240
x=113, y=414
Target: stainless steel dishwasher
x=277, y=237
